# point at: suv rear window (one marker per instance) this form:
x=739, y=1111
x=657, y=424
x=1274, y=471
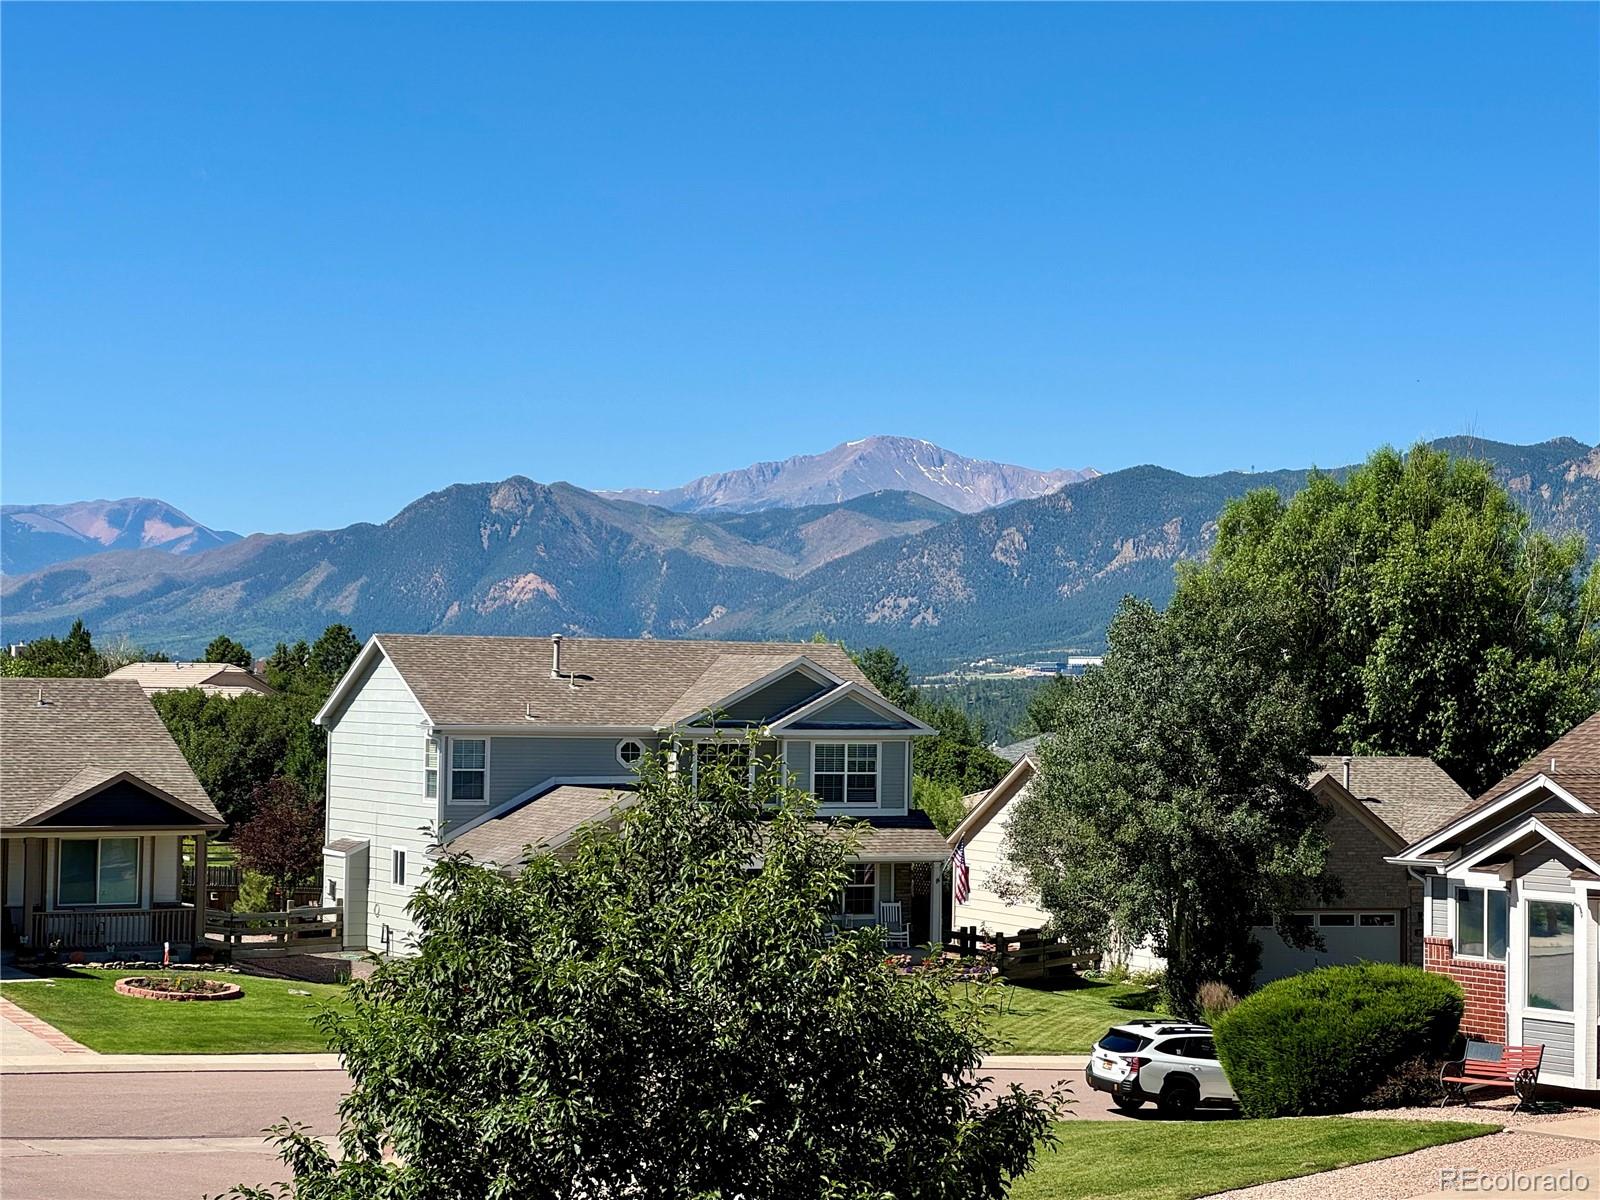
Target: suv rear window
x=1119, y=1042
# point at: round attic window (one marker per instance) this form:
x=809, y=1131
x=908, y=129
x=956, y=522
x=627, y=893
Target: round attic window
x=629, y=752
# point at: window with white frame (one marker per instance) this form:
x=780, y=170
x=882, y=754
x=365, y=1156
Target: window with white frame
x=734, y=755
x=98, y=871
x=630, y=753
x=397, y=866
x=469, y=770
x=1481, y=923
x=859, y=896
x=845, y=772
x=430, y=768
x=1552, y=948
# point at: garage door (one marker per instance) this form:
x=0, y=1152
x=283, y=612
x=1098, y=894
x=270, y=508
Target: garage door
x=1347, y=937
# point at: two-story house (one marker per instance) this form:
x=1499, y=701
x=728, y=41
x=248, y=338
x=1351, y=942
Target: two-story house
x=500, y=743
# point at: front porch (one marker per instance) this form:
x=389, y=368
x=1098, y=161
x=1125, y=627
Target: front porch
x=115, y=893
x=875, y=888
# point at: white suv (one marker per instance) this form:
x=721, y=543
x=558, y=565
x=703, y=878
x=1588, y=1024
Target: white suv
x=1173, y=1063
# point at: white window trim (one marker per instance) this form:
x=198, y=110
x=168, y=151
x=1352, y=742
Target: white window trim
x=1455, y=934
x=842, y=910
x=1525, y=1009
x=433, y=743
x=877, y=774
x=138, y=872
x=643, y=750
x=399, y=859
x=447, y=767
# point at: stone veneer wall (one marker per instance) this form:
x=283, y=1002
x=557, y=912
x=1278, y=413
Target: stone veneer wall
x=1483, y=982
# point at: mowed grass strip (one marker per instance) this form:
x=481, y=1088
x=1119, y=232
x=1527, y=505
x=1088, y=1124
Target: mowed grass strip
x=1065, y=1019
x=1179, y=1160
x=268, y=1020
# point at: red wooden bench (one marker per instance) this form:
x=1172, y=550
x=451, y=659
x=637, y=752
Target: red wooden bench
x=1517, y=1069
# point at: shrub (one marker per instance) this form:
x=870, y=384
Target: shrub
x=1213, y=1000
x=1322, y=1041
x=1413, y=1083
x=255, y=893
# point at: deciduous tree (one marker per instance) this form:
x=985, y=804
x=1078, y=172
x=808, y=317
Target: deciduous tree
x=283, y=837
x=654, y=1012
x=223, y=649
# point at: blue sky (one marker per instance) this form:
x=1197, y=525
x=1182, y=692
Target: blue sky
x=294, y=266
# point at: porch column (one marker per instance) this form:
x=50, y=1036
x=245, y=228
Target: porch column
x=936, y=898
x=1586, y=987
x=199, y=888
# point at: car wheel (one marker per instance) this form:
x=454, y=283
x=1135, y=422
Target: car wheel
x=1178, y=1099
x=1128, y=1104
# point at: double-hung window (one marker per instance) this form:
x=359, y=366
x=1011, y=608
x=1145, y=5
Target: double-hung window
x=1481, y=923
x=469, y=770
x=860, y=895
x=98, y=871
x=845, y=772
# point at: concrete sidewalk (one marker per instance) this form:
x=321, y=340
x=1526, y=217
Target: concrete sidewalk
x=119, y=1064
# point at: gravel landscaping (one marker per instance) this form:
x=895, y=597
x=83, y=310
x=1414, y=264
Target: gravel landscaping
x=1419, y=1173
x=1495, y=1111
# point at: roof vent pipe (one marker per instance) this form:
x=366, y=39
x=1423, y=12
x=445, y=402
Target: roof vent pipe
x=555, y=656
x=1346, y=761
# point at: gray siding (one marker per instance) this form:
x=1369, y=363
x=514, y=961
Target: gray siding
x=1557, y=1039
x=848, y=713
x=519, y=763
x=1543, y=870
x=797, y=756
x=1439, y=914
x=893, y=779
x=780, y=696
x=375, y=791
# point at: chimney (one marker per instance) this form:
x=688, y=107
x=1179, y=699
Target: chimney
x=1346, y=761
x=555, y=656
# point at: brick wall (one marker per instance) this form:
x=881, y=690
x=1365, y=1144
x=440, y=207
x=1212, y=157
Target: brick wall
x=1483, y=982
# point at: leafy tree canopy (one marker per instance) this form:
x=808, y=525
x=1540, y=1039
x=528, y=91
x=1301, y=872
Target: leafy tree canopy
x=71, y=656
x=1171, y=804
x=1423, y=614
x=223, y=649
x=283, y=837
x=654, y=1012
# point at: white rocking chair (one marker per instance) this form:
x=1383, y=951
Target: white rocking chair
x=889, y=916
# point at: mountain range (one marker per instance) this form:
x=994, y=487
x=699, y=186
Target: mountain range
x=36, y=535
x=859, y=468
x=889, y=566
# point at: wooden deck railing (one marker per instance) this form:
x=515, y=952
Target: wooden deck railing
x=297, y=931
x=98, y=929
x=1022, y=955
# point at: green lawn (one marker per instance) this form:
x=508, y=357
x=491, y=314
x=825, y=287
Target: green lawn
x=1176, y=1160
x=268, y=1020
x=1066, y=1020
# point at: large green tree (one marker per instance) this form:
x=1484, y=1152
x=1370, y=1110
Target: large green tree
x=654, y=1012
x=1424, y=616
x=223, y=649
x=1171, y=803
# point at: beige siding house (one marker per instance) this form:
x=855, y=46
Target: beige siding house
x=218, y=679
x=1375, y=806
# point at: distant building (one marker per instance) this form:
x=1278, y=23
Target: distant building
x=219, y=679
x=1072, y=665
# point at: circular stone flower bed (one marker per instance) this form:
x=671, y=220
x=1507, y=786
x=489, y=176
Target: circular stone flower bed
x=178, y=987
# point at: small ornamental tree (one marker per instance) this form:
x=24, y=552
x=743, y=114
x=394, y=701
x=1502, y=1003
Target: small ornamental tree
x=283, y=839
x=653, y=1011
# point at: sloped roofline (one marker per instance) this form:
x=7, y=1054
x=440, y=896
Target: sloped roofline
x=801, y=662
x=1413, y=855
x=867, y=696
x=1331, y=788
x=347, y=682
x=54, y=806
x=994, y=799
x=1532, y=824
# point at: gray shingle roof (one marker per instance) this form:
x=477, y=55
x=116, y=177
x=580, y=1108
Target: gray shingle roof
x=461, y=680
x=896, y=836
x=1014, y=752
x=86, y=732
x=1410, y=795
x=549, y=819
x=160, y=676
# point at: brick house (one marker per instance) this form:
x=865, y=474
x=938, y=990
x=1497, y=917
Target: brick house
x=1512, y=911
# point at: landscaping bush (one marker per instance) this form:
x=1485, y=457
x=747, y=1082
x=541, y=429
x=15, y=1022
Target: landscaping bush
x=255, y=893
x=1413, y=1083
x=1213, y=1000
x=1322, y=1041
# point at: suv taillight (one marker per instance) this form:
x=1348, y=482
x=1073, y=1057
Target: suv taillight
x=1134, y=1064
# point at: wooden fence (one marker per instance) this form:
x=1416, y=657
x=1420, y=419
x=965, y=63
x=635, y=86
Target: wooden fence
x=222, y=888
x=100, y=929
x=1023, y=955
x=258, y=935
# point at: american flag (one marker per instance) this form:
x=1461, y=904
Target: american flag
x=958, y=861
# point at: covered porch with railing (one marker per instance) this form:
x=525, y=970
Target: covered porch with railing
x=108, y=929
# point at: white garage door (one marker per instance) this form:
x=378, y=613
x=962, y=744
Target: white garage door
x=1347, y=937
